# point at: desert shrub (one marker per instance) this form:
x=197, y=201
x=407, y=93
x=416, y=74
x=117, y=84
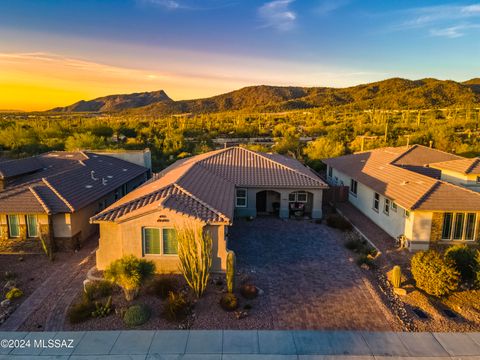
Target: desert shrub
x=433, y=273
x=195, y=255
x=176, y=307
x=162, y=286
x=14, y=293
x=367, y=260
x=249, y=291
x=130, y=273
x=9, y=275
x=102, y=310
x=338, y=222
x=477, y=275
x=98, y=290
x=136, y=315
x=81, y=312
x=229, y=302
x=463, y=258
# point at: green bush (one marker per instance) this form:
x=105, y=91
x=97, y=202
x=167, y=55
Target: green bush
x=176, y=307
x=463, y=258
x=338, y=222
x=366, y=260
x=229, y=302
x=136, y=315
x=81, y=312
x=130, y=273
x=98, y=290
x=14, y=293
x=162, y=286
x=433, y=273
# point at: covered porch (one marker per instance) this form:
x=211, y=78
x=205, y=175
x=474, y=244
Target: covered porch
x=283, y=203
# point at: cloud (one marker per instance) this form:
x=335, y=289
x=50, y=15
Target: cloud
x=328, y=6
x=277, y=14
x=188, y=4
x=450, y=21
x=453, y=32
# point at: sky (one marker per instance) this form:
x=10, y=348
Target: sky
x=56, y=52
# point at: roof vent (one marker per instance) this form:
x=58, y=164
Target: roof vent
x=104, y=181
x=92, y=175
x=404, y=182
x=110, y=176
x=69, y=155
x=88, y=186
x=124, y=169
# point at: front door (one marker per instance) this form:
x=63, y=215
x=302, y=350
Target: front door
x=262, y=202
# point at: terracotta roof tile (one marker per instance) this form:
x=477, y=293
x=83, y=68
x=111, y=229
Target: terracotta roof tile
x=210, y=180
x=394, y=177
x=464, y=166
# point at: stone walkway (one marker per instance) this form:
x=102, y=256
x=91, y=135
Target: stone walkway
x=56, y=292
x=239, y=344
x=309, y=278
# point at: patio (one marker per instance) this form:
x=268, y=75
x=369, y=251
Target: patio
x=309, y=279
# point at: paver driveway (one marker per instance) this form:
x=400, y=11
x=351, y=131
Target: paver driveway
x=308, y=277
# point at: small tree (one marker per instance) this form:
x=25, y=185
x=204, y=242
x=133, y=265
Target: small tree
x=130, y=273
x=195, y=255
x=464, y=260
x=433, y=273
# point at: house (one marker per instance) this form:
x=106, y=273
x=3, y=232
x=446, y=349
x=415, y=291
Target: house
x=208, y=191
x=51, y=197
x=419, y=193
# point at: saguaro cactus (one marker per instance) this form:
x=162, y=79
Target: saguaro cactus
x=230, y=271
x=396, y=276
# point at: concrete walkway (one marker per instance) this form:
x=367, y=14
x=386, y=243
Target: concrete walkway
x=238, y=344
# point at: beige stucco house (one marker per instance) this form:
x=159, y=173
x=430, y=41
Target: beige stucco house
x=424, y=195
x=206, y=191
x=51, y=197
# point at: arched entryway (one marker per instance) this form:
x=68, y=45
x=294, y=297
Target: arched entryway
x=268, y=202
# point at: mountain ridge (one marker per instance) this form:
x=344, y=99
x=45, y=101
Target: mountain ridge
x=393, y=93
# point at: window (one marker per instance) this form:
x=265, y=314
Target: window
x=170, y=242
x=376, y=202
x=386, y=207
x=117, y=194
x=241, y=198
x=13, y=226
x=353, y=187
x=459, y=226
x=330, y=171
x=478, y=179
x=151, y=241
x=298, y=196
x=124, y=190
x=393, y=206
x=32, y=231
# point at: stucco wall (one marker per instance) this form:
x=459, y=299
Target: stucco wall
x=119, y=239
x=393, y=224
x=469, y=181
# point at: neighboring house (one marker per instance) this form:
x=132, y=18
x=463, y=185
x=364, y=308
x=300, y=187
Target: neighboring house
x=418, y=192
x=51, y=197
x=207, y=191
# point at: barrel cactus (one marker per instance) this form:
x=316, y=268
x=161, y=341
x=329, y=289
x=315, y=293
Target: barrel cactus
x=396, y=276
x=230, y=271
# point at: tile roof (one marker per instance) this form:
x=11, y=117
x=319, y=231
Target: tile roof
x=394, y=173
x=463, y=165
x=18, y=167
x=210, y=180
x=66, y=182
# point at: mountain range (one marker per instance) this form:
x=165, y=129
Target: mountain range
x=395, y=93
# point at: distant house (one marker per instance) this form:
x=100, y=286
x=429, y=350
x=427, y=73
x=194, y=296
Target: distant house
x=52, y=196
x=206, y=191
x=429, y=196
